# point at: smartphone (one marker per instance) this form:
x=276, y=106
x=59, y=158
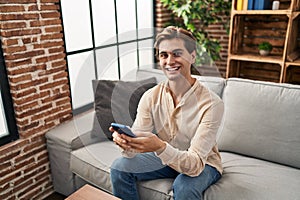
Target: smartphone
x=122, y=129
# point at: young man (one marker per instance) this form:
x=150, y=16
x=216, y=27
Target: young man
x=185, y=116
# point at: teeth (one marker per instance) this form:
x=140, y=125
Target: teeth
x=172, y=68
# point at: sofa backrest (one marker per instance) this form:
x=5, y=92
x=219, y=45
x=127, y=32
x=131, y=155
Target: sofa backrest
x=147, y=73
x=215, y=84
x=261, y=120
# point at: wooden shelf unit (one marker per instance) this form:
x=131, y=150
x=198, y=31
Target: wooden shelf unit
x=281, y=28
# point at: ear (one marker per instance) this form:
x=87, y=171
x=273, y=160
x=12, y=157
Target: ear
x=193, y=54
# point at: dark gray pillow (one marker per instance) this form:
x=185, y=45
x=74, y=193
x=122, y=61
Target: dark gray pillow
x=117, y=101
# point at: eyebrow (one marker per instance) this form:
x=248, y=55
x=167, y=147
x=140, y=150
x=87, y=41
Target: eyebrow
x=175, y=50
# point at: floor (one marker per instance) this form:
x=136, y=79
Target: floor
x=55, y=196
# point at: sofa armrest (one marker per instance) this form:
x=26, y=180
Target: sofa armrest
x=75, y=133
x=63, y=139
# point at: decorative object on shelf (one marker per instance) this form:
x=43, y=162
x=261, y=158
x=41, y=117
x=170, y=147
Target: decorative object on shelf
x=265, y=48
x=275, y=5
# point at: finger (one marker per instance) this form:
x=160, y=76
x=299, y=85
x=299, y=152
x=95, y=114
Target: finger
x=136, y=146
x=115, y=134
x=126, y=137
x=117, y=139
x=124, y=146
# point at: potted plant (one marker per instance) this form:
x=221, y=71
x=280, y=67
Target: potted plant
x=265, y=48
x=196, y=16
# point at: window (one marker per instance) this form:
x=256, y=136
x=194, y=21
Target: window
x=8, y=128
x=105, y=40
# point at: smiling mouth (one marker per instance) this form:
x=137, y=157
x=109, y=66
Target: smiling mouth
x=172, y=69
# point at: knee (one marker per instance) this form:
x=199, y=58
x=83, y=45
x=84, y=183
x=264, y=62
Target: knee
x=117, y=172
x=123, y=164
x=115, y=175
x=117, y=164
x=183, y=188
x=178, y=185
x=118, y=178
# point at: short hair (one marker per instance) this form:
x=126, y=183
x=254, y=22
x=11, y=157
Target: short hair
x=172, y=32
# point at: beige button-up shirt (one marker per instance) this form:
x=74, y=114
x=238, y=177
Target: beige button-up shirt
x=190, y=128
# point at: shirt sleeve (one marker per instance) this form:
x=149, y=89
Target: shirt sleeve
x=144, y=120
x=142, y=123
x=192, y=161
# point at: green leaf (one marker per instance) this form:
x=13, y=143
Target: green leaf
x=195, y=16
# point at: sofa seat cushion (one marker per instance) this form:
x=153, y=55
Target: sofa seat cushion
x=249, y=178
x=243, y=177
x=92, y=163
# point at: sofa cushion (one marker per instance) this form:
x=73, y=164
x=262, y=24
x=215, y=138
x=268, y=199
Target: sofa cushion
x=147, y=73
x=261, y=120
x=96, y=162
x=215, y=84
x=246, y=178
x=117, y=101
x=93, y=162
x=249, y=178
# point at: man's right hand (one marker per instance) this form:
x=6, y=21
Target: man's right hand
x=120, y=139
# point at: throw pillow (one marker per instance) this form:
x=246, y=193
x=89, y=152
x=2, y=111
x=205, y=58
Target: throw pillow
x=117, y=101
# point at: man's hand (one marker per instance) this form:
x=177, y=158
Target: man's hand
x=149, y=143
x=119, y=139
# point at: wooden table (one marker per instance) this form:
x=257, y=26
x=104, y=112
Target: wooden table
x=88, y=192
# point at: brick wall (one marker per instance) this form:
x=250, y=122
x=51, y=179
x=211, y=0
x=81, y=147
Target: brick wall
x=32, y=40
x=217, y=31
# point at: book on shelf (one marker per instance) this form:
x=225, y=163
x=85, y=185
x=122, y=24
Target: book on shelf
x=262, y=4
x=253, y=4
x=245, y=4
x=250, y=4
x=239, y=5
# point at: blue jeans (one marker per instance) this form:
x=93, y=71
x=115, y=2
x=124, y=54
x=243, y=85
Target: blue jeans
x=126, y=172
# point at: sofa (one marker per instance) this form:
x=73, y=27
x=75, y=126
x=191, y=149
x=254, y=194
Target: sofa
x=259, y=141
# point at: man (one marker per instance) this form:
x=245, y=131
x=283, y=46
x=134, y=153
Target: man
x=185, y=116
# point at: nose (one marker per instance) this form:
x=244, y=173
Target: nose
x=170, y=60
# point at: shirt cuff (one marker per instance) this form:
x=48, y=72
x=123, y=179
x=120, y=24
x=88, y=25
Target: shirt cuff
x=168, y=155
x=127, y=154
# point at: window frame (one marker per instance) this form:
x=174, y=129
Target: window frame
x=7, y=101
x=116, y=44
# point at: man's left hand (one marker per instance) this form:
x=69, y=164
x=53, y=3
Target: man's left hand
x=145, y=143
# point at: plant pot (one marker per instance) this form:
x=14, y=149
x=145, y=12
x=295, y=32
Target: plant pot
x=264, y=52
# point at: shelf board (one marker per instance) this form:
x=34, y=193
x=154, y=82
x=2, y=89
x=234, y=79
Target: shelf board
x=295, y=63
x=261, y=12
x=256, y=58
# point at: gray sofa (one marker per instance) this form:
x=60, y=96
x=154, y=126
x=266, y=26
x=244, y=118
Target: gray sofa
x=259, y=140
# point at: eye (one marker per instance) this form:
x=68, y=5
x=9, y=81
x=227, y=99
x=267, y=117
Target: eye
x=163, y=55
x=177, y=53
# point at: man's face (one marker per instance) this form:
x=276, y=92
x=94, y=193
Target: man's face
x=174, y=59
